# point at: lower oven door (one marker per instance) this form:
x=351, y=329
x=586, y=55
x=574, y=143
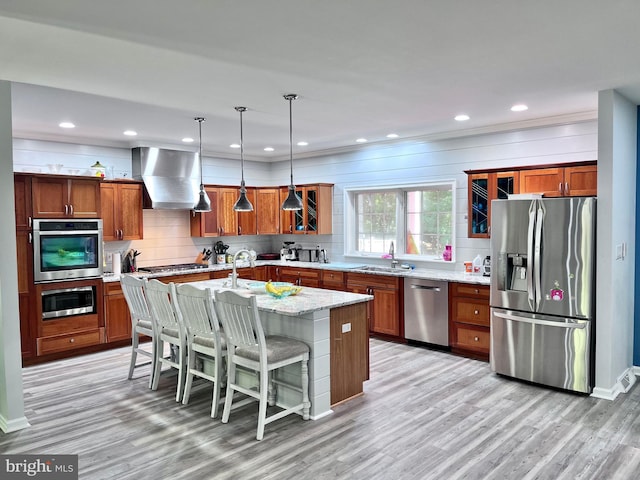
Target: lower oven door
x=554, y=351
x=68, y=301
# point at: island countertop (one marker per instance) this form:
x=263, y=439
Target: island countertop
x=308, y=300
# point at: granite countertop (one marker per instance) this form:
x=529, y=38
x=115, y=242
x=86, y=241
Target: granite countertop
x=422, y=273
x=308, y=300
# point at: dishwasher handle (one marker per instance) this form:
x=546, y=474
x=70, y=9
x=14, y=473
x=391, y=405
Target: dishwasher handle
x=425, y=287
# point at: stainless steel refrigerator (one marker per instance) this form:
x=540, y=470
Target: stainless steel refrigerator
x=542, y=290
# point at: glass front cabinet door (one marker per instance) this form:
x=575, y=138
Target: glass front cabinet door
x=483, y=188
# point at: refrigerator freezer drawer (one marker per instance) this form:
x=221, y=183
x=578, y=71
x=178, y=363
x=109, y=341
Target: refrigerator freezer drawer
x=546, y=350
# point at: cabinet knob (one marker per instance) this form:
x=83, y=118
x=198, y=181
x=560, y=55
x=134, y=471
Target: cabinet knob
x=476, y=339
x=477, y=291
x=476, y=312
x=71, y=340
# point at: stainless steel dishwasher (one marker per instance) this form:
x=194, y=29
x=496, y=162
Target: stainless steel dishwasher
x=426, y=311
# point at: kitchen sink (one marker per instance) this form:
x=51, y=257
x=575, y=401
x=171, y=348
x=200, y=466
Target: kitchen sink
x=369, y=268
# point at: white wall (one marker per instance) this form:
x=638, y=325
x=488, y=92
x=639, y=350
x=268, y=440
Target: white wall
x=617, y=143
x=11, y=400
x=412, y=162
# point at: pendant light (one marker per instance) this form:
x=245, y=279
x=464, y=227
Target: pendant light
x=204, y=204
x=242, y=204
x=293, y=201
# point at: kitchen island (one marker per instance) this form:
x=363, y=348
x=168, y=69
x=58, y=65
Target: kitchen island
x=334, y=325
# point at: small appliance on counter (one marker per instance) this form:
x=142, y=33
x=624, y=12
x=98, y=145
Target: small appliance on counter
x=289, y=251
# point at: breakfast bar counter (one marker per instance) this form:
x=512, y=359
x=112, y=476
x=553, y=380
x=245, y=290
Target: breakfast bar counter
x=333, y=324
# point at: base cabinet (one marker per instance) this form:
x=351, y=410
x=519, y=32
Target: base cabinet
x=469, y=324
x=116, y=311
x=385, y=311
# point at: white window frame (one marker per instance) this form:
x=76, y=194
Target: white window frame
x=350, y=220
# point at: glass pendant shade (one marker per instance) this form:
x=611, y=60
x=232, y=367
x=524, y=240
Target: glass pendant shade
x=293, y=201
x=242, y=204
x=203, y=204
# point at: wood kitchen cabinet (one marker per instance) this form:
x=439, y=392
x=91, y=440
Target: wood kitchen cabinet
x=64, y=334
x=574, y=181
x=206, y=224
x=483, y=188
x=24, y=257
x=58, y=196
x=267, y=208
x=116, y=312
x=349, y=347
x=386, y=309
x=223, y=220
x=469, y=321
x=306, y=277
x=316, y=214
x=333, y=280
x=121, y=206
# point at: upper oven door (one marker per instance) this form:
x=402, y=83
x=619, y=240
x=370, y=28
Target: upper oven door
x=65, y=250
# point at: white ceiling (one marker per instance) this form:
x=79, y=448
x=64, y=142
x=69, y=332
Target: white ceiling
x=362, y=68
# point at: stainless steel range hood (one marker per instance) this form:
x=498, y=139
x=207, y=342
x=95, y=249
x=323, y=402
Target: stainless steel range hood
x=171, y=177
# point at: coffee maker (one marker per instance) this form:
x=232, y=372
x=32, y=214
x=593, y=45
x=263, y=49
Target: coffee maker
x=288, y=251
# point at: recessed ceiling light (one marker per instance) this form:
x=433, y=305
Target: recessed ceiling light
x=462, y=117
x=130, y=133
x=187, y=140
x=269, y=149
x=361, y=140
x=235, y=145
x=519, y=107
x=66, y=125
x=302, y=144
x=392, y=135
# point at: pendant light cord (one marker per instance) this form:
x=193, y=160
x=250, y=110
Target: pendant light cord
x=291, y=139
x=241, y=109
x=200, y=120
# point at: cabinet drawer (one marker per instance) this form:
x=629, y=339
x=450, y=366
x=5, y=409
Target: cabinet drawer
x=469, y=311
x=70, y=341
x=112, y=288
x=372, y=280
x=333, y=278
x=303, y=273
x=469, y=290
x=473, y=339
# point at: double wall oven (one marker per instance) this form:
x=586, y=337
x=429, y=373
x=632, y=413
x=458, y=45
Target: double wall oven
x=63, y=251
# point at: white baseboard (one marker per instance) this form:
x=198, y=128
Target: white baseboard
x=622, y=385
x=8, y=426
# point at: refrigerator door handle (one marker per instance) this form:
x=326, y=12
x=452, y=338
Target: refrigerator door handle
x=535, y=321
x=530, y=260
x=537, y=253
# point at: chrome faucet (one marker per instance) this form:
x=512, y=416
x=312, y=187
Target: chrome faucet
x=234, y=274
x=392, y=252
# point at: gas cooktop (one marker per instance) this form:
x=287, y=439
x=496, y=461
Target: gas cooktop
x=169, y=268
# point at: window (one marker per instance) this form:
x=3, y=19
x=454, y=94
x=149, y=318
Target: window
x=418, y=219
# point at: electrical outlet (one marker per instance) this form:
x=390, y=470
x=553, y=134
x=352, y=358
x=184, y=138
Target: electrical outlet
x=346, y=327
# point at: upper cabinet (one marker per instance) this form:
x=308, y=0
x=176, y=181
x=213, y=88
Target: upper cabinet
x=552, y=181
x=577, y=181
x=56, y=196
x=121, y=206
x=207, y=224
x=223, y=220
x=316, y=214
x=267, y=208
x=484, y=187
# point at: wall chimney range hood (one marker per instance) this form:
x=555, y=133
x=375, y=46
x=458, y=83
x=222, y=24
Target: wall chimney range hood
x=171, y=177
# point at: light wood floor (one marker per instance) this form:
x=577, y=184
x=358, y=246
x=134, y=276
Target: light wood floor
x=425, y=414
